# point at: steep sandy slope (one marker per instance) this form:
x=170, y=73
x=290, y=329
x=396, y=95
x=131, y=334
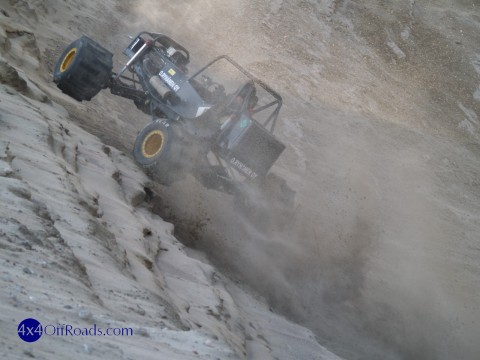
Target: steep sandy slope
x=381, y=261
x=80, y=246
x=380, y=116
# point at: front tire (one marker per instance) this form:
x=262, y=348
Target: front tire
x=83, y=69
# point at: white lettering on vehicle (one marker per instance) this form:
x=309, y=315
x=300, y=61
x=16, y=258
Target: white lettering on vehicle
x=202, y=109
x=169, y=81
x=242, y=167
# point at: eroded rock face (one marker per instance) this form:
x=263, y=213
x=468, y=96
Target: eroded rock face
x=9, y=76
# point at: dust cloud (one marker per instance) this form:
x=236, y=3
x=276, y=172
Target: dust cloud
x=374, y=259
x=380, y=121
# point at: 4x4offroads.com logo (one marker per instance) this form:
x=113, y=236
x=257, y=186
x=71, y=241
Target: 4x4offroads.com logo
x=31, y=330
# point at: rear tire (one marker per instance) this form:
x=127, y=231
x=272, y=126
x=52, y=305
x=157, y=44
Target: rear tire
x=281, y=200
x=278, y=192
x=157, y=150
x=250, y=201
x=214, y=177
x=268, y=205
x=83, y=69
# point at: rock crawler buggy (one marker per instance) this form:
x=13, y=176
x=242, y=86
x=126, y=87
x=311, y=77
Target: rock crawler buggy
x=224, y=139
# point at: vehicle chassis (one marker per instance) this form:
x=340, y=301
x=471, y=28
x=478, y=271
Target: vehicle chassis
x=136, y=88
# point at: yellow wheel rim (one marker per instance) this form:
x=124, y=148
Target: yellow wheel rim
x=153, y=144
x=68, y=59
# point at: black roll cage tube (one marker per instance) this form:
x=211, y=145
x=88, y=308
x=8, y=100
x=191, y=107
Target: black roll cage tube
x=278, y=99
x=157, y=37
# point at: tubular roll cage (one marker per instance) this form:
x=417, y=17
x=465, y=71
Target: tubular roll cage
x=130, y=91
x=278, y=99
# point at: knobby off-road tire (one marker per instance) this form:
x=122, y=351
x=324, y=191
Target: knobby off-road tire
x=214, y=177
x=249, y=200
x=83, y=69
x=268, y=204
x=279, y=193
x=157, y=149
